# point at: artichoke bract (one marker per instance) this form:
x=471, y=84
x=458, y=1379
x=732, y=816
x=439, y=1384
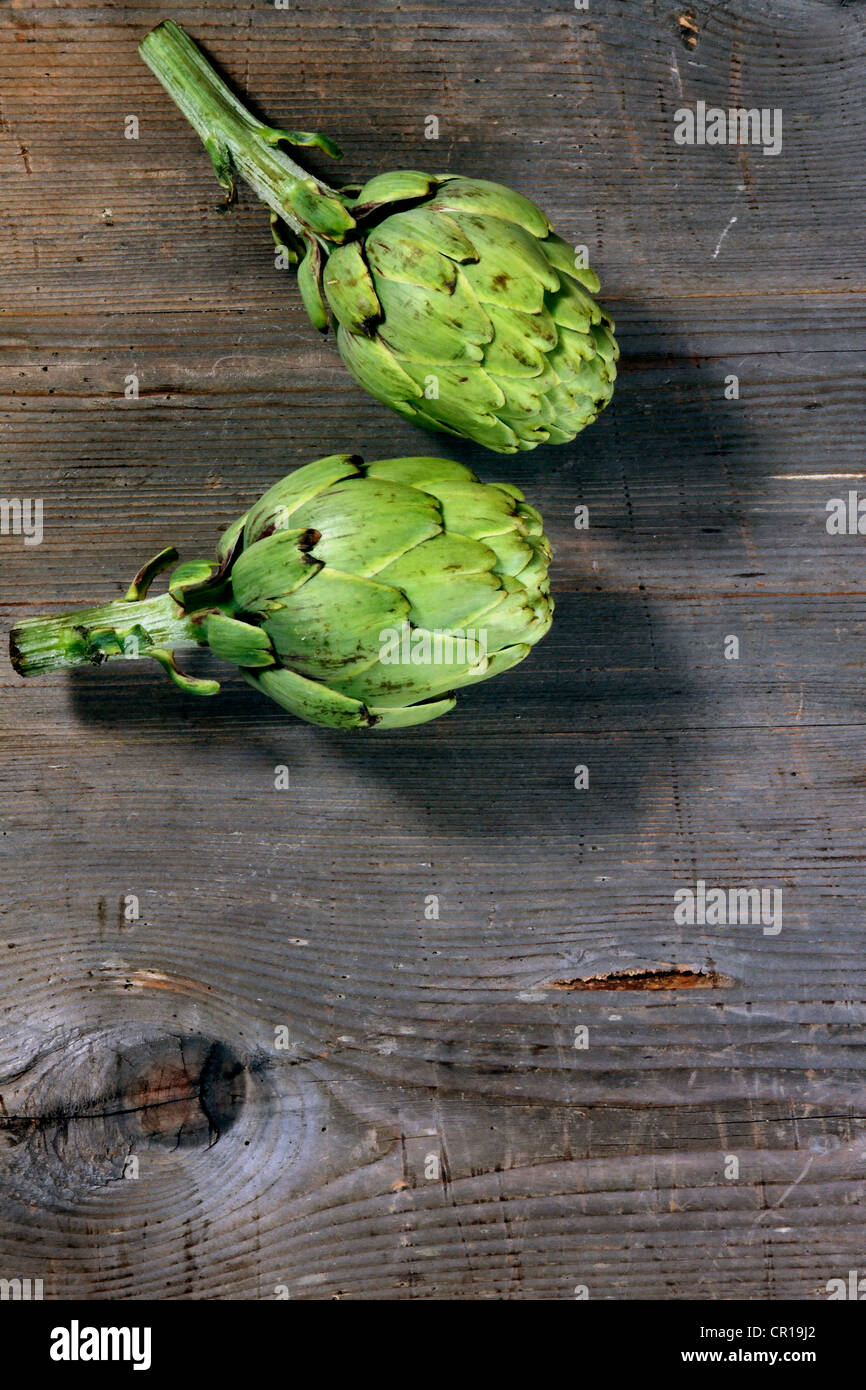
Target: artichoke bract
x=355, y=595
x=455, y=302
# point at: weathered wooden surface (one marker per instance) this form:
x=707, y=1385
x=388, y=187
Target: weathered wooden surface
x=309, y=1168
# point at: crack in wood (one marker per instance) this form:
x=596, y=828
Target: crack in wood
x=661, y=977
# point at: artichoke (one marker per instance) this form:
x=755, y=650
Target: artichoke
x=353, y=594
x=454, y=301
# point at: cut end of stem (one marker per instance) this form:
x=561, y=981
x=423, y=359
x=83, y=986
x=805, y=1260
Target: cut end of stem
x=16, y=656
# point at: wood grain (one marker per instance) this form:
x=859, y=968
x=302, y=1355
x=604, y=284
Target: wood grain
x=275, y=1071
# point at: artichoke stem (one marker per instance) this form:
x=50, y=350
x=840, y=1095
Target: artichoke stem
x=125, y=629
x=234, y=139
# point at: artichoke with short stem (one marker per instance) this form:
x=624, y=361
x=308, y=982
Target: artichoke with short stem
x=455, y=302
x=355, y=595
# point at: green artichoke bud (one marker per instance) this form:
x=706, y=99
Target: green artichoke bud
x=355, y=595
x=455, y=302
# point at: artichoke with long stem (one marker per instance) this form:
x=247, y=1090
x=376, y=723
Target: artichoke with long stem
x=355, y=595
x=455, y=302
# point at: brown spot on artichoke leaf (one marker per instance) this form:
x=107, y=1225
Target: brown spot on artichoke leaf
x=502, y=280
x=388, y=687
x=520, y=354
